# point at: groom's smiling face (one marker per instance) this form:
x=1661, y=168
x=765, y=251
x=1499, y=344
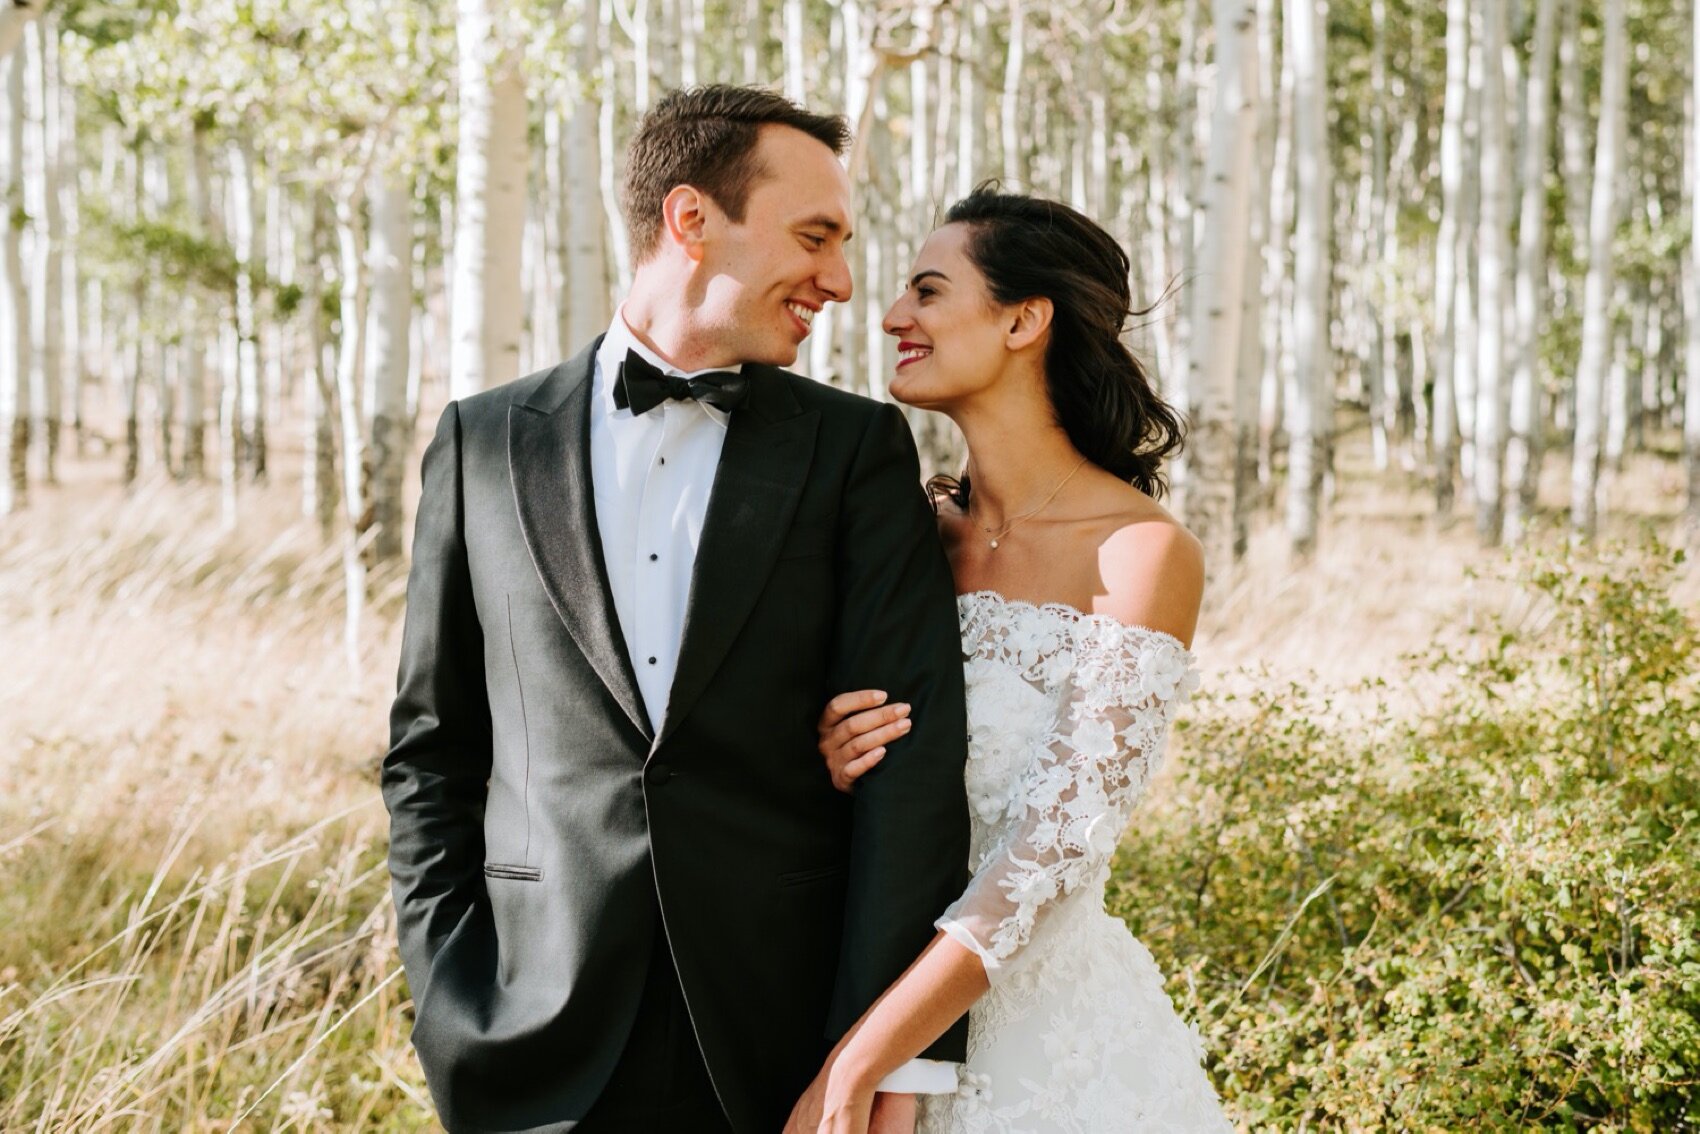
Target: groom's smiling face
x=765, y=278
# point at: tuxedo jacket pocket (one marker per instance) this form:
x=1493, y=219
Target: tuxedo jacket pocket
x=813, y=874
x=512, y=873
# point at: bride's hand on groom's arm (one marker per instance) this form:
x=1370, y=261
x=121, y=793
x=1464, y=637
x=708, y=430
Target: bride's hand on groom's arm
x=828, y=1107
x=855, y=729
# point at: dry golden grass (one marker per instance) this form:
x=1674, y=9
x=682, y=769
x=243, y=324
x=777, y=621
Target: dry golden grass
x=194, y=922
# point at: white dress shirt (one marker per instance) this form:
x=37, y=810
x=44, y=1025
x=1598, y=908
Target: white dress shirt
x=651, y=475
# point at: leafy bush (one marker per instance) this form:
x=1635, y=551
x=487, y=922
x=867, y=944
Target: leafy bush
x=1477, y=910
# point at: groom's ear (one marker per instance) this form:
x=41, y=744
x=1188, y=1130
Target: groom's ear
x=684, y=216
x=1028, y=322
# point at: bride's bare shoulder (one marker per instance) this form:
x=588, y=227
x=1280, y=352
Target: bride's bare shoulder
x=1150, y=567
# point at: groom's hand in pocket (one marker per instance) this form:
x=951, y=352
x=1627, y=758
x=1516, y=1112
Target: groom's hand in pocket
x=855, y=729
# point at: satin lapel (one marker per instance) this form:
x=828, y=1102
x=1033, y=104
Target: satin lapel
x=549, y=462
x=770, y=444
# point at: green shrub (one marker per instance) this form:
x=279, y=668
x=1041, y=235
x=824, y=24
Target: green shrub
x=1478, y=913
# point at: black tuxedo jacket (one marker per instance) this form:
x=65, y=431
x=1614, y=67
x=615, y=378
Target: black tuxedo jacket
x=542, y=840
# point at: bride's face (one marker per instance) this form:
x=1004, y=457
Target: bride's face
x=951, y=335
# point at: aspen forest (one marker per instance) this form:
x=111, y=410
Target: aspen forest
x=1422, y=276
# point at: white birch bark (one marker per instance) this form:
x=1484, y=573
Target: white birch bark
x=1573, y=124
x=487, y=312
x=1597, y=288
x=586, y=309
x=389, y=319
x=1253, y=304
x=1278, y=314
x=75, y=365
x=1492, y=242
x=1444, y=421
x=1310, y=405
x=197, y=167
x=1009, y=114
x=350, y=358
x=1523, y=445
x=610, y=152
x=1218, y=300
x=47, y=296
x=319, y=488
x=1179, y=193
x=795, y=89
x=14, y=294
x=244, y=238
x=1691, y=293
x=971, y=98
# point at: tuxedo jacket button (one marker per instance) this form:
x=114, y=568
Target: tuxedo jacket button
x=657, y=774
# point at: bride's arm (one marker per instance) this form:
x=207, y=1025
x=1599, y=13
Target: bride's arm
x=931, y=995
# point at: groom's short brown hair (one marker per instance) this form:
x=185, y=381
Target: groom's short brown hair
x=706, y=137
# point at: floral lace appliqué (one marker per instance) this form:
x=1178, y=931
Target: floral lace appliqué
x=1068, y=713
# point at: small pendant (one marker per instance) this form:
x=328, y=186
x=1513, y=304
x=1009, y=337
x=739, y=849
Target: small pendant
x=994, y=545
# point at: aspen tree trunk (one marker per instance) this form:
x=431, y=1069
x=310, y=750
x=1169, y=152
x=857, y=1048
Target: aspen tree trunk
x=130, y=342
x=971, y=98
x=1444, y=419
x=692, y=36
x=1278, y=314
x=1523, y=447
x=1180, y=192
x=14, y=294
x=487, y=313
x=1009, y=114
x=198, y=178
x=642, y=69
x=919, y=217
x=665, y=61
x=1466, y=344
x=389, y=319
x=881, y=240
x=244, y=241
x=1253, y=304
x=1620, y=391
x=753, y=42
x=795, y=90
x=1097, y=131
x=1310, y=408
x=76, y=365
x=1597, y=288
x=1218, y=304
x=1691, y=292
x=47, y=296
x=1492, y=241
x=609, y=158
x=946, y=118
x=319, y=488
x=852, y=48
x=157, y=202
x=1573, y=124
x=585, y=309
x=1383, y=384
x=350, y=352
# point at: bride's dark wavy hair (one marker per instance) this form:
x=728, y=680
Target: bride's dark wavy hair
x=1029, y=248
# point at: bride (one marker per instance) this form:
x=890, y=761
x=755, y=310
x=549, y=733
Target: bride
x=1078, y=596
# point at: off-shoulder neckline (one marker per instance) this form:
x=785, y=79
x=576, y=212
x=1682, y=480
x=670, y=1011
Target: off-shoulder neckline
x=1075, y=614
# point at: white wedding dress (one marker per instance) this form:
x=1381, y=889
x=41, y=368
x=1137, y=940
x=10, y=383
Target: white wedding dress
x=1067, y=717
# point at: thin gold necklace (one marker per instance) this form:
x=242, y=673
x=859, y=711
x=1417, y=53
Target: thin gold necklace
x=1000, y=533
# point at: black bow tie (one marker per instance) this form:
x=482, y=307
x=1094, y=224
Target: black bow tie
x=641, y=387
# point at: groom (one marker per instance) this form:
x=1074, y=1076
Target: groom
x=629, y=899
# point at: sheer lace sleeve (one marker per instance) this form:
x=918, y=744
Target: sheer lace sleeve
x=1117, y=689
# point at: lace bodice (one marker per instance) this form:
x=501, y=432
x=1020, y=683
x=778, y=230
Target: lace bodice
x=1068, y=714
